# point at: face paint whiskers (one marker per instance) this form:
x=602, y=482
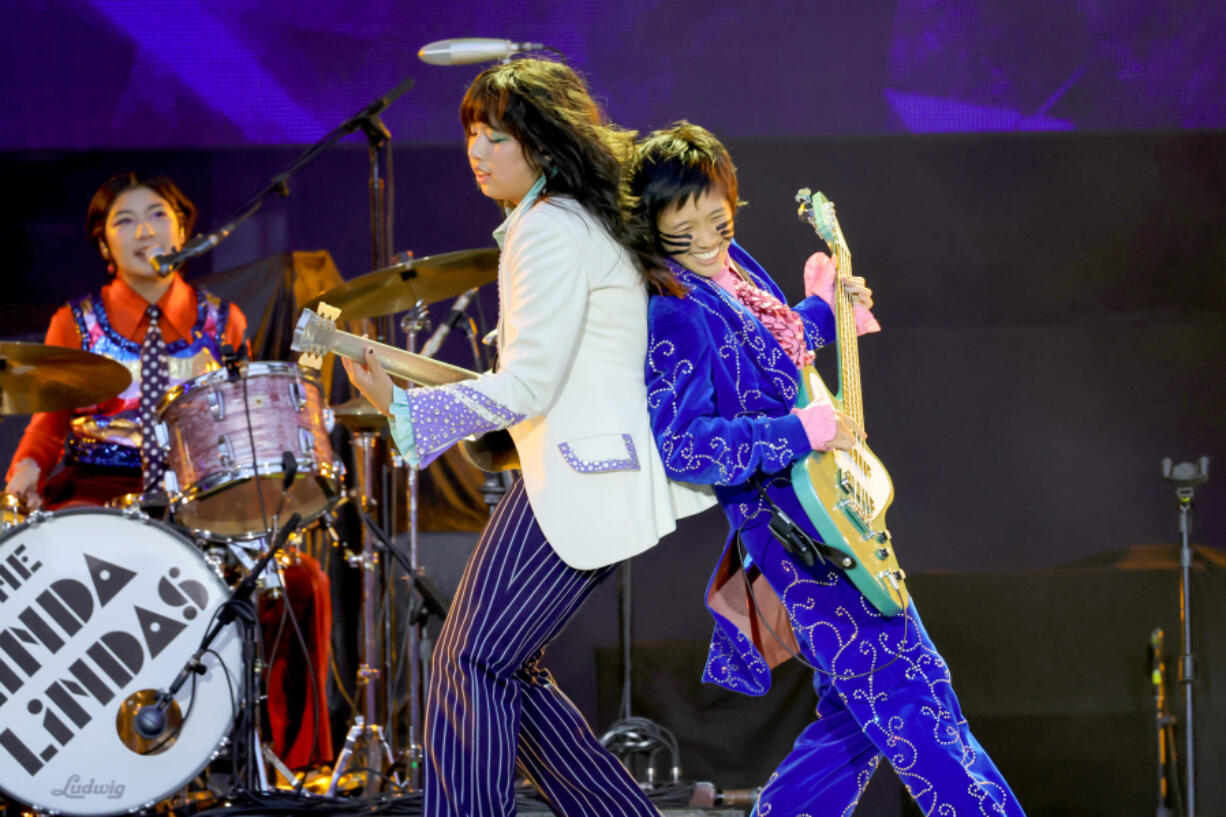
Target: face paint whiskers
x=677, y=243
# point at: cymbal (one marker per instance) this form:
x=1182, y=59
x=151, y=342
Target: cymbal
x=35, y=377
x=359, y=415
x=401, y=286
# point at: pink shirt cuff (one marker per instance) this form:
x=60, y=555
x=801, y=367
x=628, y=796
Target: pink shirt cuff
x=819, y=422
x=819, y=280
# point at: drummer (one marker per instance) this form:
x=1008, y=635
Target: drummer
x=131, y=217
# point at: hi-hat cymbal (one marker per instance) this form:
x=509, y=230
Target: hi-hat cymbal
x=401, y=286
x=35, y=377
x=359, y=415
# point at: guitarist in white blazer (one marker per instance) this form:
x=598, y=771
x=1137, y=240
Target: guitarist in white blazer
x=572, y=341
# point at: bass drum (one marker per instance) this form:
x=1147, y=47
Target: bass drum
x=100, y=609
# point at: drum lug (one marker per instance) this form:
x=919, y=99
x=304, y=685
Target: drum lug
x=329, y=420
x=161, y=435
x=306, y=440
x=217, y=404
x=296, y=395
x=171, y=483
x=225, y=451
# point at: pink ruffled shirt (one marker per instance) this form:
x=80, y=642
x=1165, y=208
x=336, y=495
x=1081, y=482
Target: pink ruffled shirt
x=818, y=418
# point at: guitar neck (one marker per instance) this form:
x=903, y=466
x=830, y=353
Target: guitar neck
x=412, y=367
x=847, y=341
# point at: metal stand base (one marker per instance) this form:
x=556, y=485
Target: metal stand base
x=365, y=742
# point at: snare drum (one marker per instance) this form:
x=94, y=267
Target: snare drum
x=209, y=423
x=101, y=608
x=13, y=511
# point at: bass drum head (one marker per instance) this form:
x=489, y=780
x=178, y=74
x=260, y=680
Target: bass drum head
x=98, y=607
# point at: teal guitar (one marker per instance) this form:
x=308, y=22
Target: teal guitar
x=846, y=493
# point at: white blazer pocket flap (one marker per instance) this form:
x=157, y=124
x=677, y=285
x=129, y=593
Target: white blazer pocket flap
x=601, y=453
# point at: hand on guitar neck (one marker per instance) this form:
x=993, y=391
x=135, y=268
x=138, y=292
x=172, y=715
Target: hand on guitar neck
x=369, y=378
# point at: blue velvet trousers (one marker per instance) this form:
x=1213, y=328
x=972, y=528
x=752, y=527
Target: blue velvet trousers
x=492, y=707
x=883, y=692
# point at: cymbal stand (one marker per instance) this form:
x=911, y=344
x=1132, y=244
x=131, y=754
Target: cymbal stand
x=1185, y=477
x=411, y=323
x=366, y=735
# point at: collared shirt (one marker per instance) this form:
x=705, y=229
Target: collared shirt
x=515, y=215
x=43, y=440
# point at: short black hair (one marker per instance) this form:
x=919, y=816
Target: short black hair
x=670, y=167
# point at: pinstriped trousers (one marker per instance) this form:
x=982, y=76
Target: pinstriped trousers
x=491, y=706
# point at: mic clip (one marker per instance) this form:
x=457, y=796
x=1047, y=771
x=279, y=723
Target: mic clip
x=232, y=360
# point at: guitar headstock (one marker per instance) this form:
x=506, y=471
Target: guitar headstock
x=315, y=335
x=818, y=212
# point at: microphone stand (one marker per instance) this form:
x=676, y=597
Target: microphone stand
x=377, y=134
x=151, y=720
x=1185, y=477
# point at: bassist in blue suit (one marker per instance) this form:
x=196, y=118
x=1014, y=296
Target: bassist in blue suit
x=724, y=357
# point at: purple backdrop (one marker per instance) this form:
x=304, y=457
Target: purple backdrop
x=88, y=74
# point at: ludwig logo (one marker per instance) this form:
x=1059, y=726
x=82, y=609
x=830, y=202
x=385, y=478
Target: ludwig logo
x=74, y=789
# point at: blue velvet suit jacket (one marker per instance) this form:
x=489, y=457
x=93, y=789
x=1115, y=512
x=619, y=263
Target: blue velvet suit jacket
x=720, y=390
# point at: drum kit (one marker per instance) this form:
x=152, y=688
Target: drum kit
x=121, y=675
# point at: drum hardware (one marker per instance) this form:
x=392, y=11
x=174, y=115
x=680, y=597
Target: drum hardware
x=13, y=511
x=36, y=377
x=365, y=729
x=151, y=720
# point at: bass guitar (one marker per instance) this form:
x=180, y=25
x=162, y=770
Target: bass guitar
x=845, y=493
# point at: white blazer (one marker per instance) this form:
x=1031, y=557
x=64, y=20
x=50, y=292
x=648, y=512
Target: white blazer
x=572, y=340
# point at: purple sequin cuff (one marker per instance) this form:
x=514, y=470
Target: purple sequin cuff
x=445, y=414
x=83, y=451
x=599, y=465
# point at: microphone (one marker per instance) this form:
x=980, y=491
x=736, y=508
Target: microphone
x=165, y=263
x=453, y=317
x=150, y=720
x=472, y=49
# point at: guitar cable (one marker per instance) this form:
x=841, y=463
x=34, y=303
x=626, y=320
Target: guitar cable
x=778, y=523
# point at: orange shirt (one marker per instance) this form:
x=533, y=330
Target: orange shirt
x=43, y=440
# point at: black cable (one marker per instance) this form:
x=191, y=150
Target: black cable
x=255, y=461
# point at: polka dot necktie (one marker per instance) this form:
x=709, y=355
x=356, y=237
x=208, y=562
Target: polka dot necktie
x=154, y=381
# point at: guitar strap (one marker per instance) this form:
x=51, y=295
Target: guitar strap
x=795, y=540
x=801, y=545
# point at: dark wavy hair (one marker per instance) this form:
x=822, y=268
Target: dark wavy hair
x=670, y=167
x=546, y=106
x=104, y=199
